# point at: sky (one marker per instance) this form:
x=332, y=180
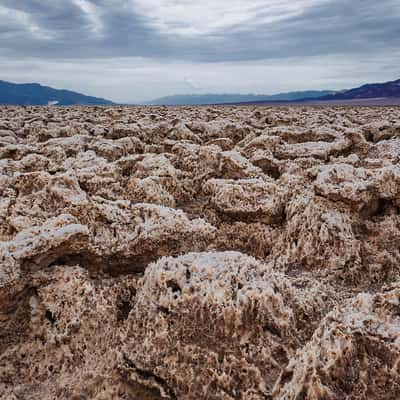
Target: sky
x=138, y=50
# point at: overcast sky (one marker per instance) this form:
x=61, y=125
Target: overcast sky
x=133, y=50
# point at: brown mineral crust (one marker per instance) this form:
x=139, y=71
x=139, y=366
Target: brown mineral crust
x=60, y=338
x=199, y=252
x=222, y=319
x=254, y=200
x=354, y=353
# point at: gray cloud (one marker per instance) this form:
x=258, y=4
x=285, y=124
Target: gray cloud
x=168, y=34
x=323, y=28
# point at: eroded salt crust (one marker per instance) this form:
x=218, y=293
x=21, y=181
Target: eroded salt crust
x=199, y=253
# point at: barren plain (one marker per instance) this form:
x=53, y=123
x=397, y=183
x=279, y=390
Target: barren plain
x=200, y=253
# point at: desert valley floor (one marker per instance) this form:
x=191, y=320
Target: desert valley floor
x=217, y=253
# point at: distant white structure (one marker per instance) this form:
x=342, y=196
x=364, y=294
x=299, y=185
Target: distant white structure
x=52, y=102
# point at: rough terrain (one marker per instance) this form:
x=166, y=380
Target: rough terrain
x=186, y=253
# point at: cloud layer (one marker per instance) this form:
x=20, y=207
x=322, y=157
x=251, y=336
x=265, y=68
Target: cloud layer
x=169, y=32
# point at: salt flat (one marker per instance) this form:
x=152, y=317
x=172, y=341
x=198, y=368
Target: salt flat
x=200, y=252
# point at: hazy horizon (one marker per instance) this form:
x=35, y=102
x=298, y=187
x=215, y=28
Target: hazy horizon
x=139, y=50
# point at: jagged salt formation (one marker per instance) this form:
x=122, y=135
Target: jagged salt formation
x=190, y=253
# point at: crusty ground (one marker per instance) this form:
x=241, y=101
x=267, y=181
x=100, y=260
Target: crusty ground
x=200, y=253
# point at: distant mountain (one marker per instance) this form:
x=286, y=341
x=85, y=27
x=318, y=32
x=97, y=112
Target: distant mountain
x=36, y=94
x=198, y=99
x=387, y=93
x=368, y=91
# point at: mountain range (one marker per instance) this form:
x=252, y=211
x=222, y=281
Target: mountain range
x=36, y=94
x=212, y=98
x=387, y=93
x=369, y=91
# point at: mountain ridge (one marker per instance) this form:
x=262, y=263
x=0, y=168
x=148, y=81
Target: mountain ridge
x=226, y=98
x=36, y=94
x=370, y=93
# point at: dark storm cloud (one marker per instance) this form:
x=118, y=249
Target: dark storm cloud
x=333, y=27
x=63, y=29
x=107, y=28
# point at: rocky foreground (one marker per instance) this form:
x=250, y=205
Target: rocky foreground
x=200, y=253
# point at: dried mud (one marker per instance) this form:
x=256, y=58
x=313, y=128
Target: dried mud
x=200, y=253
